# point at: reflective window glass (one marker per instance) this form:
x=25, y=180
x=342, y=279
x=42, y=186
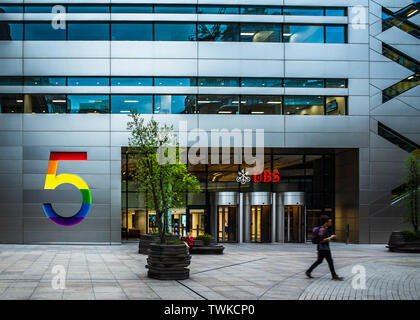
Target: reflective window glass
x=218, y=32
x=174, y=9
x=335, y=83
x=303, y=105
x=335, y=106
x=256, y=82
x=88, y=81
x=128, y=81
x=302, y=33
x=212, y=104
x=45, y=81
x=335, y=12
x=175, y=31
x=335, y=34
x=298, y=11
x=125, y=103
x=45, y=104
x=11, y=31
x=10, y=9
x=43, y=31
x=217, y=9
x=261, y=32
x=11, y=81
x=88, y=103
x=88, y=31
x=175, y=82
x=131, y=31
x=131, y=9
x=261, y=104
x=218, y=82
x=165, y=104
x=261, y=10
x=87, y=9
x=304, y=83
x=11, y=103
x=39, y=8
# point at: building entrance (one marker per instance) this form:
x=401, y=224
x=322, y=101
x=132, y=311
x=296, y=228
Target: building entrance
x=260, y=223
x=294, y=223
x=227, y=224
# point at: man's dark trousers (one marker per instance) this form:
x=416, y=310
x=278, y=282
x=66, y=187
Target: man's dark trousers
x=321, y=255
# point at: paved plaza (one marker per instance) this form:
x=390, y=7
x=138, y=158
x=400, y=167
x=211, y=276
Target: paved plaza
x=245, y=271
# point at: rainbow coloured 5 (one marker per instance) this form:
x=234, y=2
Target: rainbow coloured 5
x=52, y=181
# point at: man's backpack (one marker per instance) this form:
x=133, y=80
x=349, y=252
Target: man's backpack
x=315, y=235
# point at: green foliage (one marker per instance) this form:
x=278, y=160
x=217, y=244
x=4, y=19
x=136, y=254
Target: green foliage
x=158, y=172
x=172, y=242
x=412, y=200
x=157, y=234
x=411, y=235
x=206, y=238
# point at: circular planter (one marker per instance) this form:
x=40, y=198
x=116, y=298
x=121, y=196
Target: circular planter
x=168, y=262
x=147, y=239
x=398, y=242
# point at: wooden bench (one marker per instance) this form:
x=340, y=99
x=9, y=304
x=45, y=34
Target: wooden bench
x=211, y=248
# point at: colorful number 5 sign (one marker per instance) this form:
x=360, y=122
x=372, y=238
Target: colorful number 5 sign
x=52, y=181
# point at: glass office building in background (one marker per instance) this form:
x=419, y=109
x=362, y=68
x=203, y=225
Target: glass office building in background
x=333, y=84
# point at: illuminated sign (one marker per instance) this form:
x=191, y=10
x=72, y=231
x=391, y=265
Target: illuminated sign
x=52, y=181
x=264, y=176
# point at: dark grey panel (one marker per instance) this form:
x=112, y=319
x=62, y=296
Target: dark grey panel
x=66, y=122
x=10, y=121
x=10, y=195
x=73, y=167
x=70, y=139
x=43, y=153
x=37, y=181
x=10, y=166
x=99, y=196
x=11, y=153
x=10, y=138
x=13, y=180
x=34, y=210
x=89, y=224
x=66, y=236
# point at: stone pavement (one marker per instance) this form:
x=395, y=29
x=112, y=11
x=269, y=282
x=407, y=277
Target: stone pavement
x=245, y=271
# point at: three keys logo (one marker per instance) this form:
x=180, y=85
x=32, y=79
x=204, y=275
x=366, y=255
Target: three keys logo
x=53, y=180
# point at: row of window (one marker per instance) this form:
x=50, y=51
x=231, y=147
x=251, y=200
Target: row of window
x=200, y=9
x=174, y=82
x=174, y=104
x=164, y=31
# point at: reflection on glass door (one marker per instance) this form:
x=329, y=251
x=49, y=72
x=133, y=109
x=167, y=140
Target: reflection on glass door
x=178, y=224
x=197, y=222
x=260, y=223
x=294, y=221
x=227, y=224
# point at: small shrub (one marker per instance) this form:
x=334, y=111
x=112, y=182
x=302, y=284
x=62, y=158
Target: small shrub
x=411, y=235
x=172, y=242
x=206, y=238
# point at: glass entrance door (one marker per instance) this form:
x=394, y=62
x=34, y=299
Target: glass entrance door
x=294, y=221
x=260, y=223
x=197, y=222
x=227, y=224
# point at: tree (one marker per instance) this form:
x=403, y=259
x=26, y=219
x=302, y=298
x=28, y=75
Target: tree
x=412, y=182
x=164, y=184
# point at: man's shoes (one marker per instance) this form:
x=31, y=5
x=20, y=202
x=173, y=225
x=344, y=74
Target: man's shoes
x=308, y=274
x=338, y=278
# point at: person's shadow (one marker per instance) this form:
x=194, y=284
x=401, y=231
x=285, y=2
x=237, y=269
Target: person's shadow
x=4, y=29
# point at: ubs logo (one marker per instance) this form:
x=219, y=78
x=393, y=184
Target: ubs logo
x=264, y=176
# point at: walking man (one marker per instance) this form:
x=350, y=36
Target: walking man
x=322, y=239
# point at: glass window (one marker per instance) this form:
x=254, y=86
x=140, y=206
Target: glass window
x=175, y=31
x=125, y=103
x=335, y=106
x=11, y=103
x=38, y=8
x=10, y=9
x=304, y=83
x=11, y=31
x=43, y=31
x=218, y=82
x=174, y=9
x=299, y=11
x=257, y=82
x=301, y=33
x=88, y=103
x=131, y=31
x=131, y=9
x=45, y=104
x=128, y=81
x=212, y=104
x=11, y=81
x=335, y=12
x=165, y=104
x=303, y=105
x=261, y=10
x=88, y=31
x=204, y=9
x=45, y=81
x=88, y=81
x=87, y=9
x=218, y=32
x=261, y=104
x=175, y=82
x=335, y=34
x=335, y=83
x=261, y=32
